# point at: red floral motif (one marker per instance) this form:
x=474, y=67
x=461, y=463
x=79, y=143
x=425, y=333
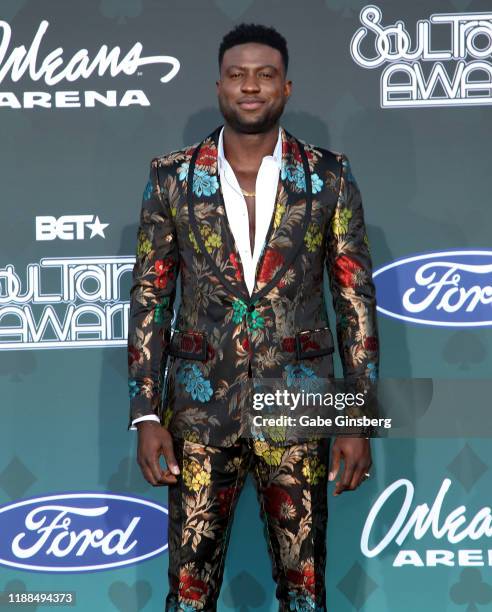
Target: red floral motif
x=232, y=258
x=296, y=153
x=276, y=498
x=272, y=261
x=210, y=351
x=305, y=578
x=289, y=344
x=225, y=497
x=371, y=343
x=164, y=271
x=191, y=343
x=307, y=343
x=345, y=270
x=245, y=344
x=133, y=354
x=206, y=156
x=191, y=588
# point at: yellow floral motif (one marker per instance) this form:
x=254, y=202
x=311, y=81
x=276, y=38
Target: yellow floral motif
x=193, y=241
x=341, y=220
x=279, y=211
x=194, y=476
x=166, y=419
x=366, y=241
x=174, y=210
x=144, y=246
x=313, y=470
x=211, y=239
x=271, y=454
x=191, y=436
x=313, y=238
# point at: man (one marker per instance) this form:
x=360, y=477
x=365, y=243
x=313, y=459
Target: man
x=252, y=307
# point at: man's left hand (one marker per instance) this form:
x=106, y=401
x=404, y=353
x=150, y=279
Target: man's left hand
x=356, y=455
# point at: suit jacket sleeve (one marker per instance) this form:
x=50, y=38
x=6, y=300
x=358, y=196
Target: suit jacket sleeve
x=349, y=267
x=152, y=298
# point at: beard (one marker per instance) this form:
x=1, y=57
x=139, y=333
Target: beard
x=251, y=125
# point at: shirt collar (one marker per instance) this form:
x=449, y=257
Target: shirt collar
x=277, y=153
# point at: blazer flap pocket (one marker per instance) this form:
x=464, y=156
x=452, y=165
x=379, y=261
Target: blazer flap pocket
x=314, y=343
x=188, y=344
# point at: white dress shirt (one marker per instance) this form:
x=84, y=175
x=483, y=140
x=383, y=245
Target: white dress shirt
x=237, y=213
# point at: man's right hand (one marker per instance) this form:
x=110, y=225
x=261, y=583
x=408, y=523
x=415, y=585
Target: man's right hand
x=154, y=441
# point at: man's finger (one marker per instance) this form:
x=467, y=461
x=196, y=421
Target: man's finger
x=344, y=481
x=335, y=463
x=168, y=450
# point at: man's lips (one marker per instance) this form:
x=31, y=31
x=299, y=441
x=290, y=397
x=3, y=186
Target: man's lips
x=251, y=104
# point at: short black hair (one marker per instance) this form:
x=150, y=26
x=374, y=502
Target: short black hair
x=253, y=32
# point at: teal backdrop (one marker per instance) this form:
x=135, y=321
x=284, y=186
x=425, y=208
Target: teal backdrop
x=74, y=157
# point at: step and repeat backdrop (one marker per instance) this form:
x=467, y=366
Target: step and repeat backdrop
x=89, y=93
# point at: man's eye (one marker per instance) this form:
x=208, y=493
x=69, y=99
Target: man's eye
x=266, y=74
x=235, y=74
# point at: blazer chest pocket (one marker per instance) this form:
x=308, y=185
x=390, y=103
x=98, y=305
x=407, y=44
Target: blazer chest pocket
x=314, y=343
x=188, y=344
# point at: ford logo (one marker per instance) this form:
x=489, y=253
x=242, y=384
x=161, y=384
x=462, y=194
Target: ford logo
x=447, y=288
x=79, y=532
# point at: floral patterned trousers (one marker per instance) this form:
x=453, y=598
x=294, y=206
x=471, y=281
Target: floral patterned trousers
x=291, y=485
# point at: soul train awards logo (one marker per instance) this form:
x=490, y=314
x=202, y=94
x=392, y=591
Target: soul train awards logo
x=55, y=67
x=65, y=303
x=454, y=532
x=417, y=74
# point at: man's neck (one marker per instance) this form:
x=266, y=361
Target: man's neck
x=247, y=150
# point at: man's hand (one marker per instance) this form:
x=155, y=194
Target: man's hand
x=154, y=441
x=356, y=454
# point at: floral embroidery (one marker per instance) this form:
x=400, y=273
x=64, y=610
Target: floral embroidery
x=159, y=310
x=316, y=182
x=133, y=388
x=191, y=376
x=272, y=261
x=240, y=309
x=144, y=246
x=313, y=237
x=148, y=191
x=164, y=271
x=349, y=272
x=313, y=470
x=194, y=476
x=340, y=221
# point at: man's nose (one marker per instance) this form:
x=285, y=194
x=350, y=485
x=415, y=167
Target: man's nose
x=250, y=83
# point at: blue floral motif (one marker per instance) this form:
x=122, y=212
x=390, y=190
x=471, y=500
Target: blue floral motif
x=148, y=191
x=133, y=388
x=303, y=603
x=295, y=174
x=203, y=182
x=348, y=171
x=316, y=182
x=183, y=171
x=181, y=607
x=191, y=376
x=372, y=372
x=301, y=375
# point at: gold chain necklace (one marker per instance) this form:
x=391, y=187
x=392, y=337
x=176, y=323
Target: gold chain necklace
x=247, y=193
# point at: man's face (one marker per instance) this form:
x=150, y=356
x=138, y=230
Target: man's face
x=252, y=90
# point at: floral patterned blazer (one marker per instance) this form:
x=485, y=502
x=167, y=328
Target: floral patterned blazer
x=193, y=374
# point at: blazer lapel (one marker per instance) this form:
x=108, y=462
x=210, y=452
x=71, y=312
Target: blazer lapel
x=211, y=229
x=292, y=214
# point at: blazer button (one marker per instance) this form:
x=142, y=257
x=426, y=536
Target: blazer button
x=251, y=308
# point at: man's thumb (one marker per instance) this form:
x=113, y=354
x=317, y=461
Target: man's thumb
x=171, y=462
x=335, y=464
